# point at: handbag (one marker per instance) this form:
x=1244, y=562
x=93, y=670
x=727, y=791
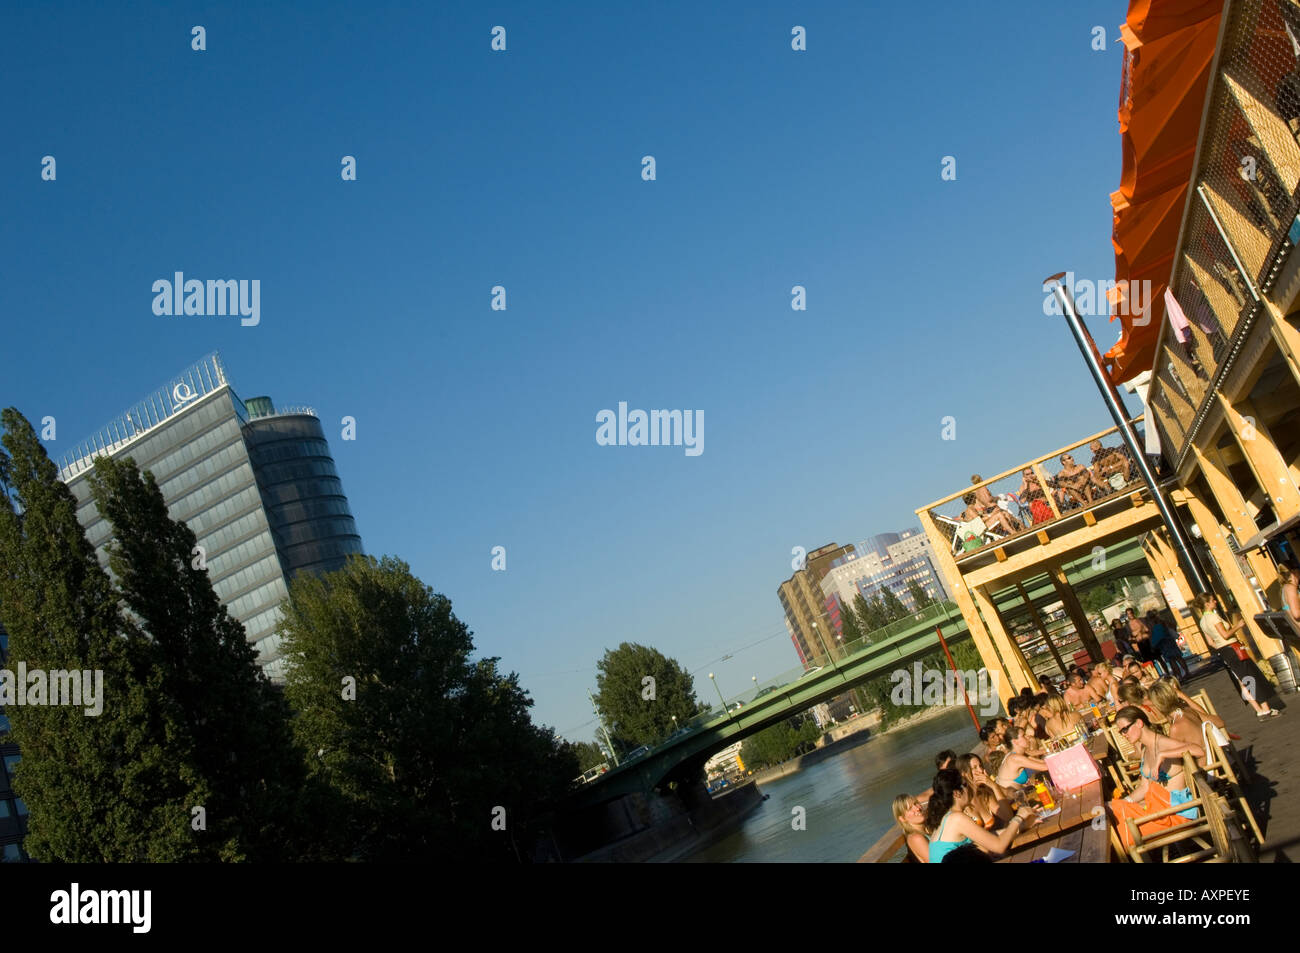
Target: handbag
x=1241, y=652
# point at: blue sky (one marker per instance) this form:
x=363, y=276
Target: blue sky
x=476, y=428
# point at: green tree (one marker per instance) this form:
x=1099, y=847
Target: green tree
x=422, y=745
x=101, y=787
x=850, y=629
x=870, y=614
x=232, y=726
x=780, y=742
x=920, y=597
x=638, y=712
x=893, y=606
x=589, y=754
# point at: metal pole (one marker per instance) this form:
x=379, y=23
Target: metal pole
x=601, y=721
x=960, y=681
x=1088, y=348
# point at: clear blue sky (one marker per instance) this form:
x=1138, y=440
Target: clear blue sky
x=476, y=428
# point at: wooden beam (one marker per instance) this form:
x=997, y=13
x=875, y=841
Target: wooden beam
x=1165, y=567
x=1020, y=674
x=1041, y=626
x=1231, y=574
x=942, y=547
x=1061, y=582
x=1063, y=549
x=1043, y=538
x=1260, y=450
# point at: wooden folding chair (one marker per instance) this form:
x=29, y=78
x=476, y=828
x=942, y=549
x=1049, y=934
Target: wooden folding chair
x=1216, y=834
x=1225, y=770
x=1123, y=763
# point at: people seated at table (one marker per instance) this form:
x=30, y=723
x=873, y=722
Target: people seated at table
x=1222, y=640
x=1107, y=462
x=1161, y=784
x=1164, y=645
x=986, y=802
x=910, y=815
x=1017, y=767
x=953, y=828
x=1132, y=692
x=1183, y=724
x=1103, y=682
x=1078, y=693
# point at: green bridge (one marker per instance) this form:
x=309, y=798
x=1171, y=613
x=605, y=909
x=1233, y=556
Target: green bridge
x=896, y=646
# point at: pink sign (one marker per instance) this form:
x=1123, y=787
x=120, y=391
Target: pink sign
x=1072, y=768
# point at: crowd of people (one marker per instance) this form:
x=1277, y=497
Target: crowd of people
x=971, y=814
x=1073, y=485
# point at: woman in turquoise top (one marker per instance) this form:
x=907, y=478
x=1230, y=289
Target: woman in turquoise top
x=953, y=828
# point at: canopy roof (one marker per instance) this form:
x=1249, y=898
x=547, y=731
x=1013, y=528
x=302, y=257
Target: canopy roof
x=1169, y=46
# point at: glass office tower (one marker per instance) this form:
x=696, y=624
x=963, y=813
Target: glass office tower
x=257, y=486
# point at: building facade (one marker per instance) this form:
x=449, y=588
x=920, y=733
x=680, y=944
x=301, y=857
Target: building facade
x=887, y=561
x=257, y=486
x=808, y=618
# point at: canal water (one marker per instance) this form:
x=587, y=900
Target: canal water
x=845, y=799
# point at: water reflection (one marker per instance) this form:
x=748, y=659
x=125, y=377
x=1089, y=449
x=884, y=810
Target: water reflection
x=846, y=799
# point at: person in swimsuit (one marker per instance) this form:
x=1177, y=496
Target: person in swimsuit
x=1017, y=766
x=1159, y=789
x=986, y=805
x=1103, y=683
x=1290, y=580
x=953, y=828
x=910, y=816
x=1184, y=724
x=1062, y=720
x=989, y=510
x=1080, y=694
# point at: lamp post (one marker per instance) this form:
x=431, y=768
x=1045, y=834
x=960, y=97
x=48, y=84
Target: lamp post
x=720, y=698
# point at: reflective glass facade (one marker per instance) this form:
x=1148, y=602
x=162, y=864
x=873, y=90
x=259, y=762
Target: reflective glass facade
x=259, y=490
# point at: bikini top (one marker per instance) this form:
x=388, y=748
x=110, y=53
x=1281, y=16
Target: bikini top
x=1162, y=775
x=1022, y=777
x=939, y=849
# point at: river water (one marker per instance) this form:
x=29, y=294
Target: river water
x=846, y=799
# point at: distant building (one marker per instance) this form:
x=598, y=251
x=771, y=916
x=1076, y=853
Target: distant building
x=808, y=617
x=888, y=561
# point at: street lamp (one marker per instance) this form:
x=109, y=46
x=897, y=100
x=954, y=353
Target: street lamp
x=719, y=691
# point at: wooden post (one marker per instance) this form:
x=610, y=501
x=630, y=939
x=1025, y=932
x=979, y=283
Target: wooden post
x=1038, y=622
x=1021, y=674
x=1047, y=490
x=1237, y=584
x=1232, y=504
x=1164, y=566
x=961, y=596
x=1056, y=573
x=1261, y=453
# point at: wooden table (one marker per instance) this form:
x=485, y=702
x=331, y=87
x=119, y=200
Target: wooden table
x=1071, y=828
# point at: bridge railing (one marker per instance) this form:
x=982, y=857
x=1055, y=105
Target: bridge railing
x=876, y=641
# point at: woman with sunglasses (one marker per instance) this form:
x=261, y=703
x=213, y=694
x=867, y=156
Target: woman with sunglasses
x=1162, y=784
x=953, y=828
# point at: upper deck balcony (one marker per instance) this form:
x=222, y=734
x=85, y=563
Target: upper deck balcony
x=1013, y=521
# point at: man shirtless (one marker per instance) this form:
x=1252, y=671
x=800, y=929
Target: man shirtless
x=1078, y=481
x=1139, y=635
x=1107, y=461
x=991, y=513
x=1079, y=694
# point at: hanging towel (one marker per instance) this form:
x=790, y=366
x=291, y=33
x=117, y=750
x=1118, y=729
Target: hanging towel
x=1177, y=320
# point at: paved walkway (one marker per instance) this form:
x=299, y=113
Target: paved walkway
x=1271, y=748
